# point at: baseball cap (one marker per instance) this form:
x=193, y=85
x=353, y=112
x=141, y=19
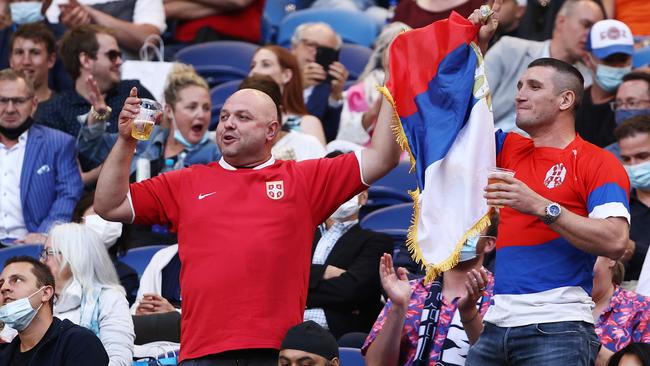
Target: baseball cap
x=608, y=37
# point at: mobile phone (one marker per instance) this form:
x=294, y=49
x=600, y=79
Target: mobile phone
x=325, y=56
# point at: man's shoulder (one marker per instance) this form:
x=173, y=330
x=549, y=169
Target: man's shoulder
x=73, y=332
x=52, y=135
x=510, y=44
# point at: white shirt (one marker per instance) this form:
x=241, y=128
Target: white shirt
x=298, y=146
x=12, y=223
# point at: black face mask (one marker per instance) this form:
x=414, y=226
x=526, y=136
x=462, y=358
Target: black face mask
x=14, y=133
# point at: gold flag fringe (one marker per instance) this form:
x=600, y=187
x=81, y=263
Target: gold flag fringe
x=432, y=270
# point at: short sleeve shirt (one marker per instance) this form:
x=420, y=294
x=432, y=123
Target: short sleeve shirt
x=624, y=321
x=244, y=243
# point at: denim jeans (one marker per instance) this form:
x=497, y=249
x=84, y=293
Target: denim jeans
x=549, y=344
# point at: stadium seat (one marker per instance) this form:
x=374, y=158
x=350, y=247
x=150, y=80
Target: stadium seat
x=641, y=57
x=219, y=61
x=350, y=357
x=31, y=250
x=138, y=258
x=353, y=26
x=401, y=255
x=399, y=178
x=354, y=57
x=218, y=95
x=392, y=217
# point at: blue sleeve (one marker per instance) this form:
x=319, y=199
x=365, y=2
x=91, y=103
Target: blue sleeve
x=500, y=138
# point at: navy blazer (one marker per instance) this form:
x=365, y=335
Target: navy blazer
x=318, y=105
x=50, y=183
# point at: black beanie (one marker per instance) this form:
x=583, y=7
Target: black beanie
x=311, y=337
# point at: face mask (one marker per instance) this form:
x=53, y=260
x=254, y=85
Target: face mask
x=108, y=231
x=18, y=314
x=346, y=210
x=14, y=133
x=179, y=136
x=26, y=12
x=609, y=78
x=639, y=175
x=623, y=114
x=468, y=251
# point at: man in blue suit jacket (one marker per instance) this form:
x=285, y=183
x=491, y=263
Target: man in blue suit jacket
x=40, y=179
x=323, y=99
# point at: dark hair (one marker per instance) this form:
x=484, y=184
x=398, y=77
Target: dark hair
x=268, y=86
x=13, y=75
x=632, y=126
x=37, y=32
x=292, y=98
x=82, y=39
x=638, y=75
x=567, y=77
x=493, y=229
x=42, y=272
x=641, y=350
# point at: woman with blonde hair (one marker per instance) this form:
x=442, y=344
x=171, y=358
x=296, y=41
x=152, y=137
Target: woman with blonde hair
x=88, y=290
x=184, y=142
x=282, y=67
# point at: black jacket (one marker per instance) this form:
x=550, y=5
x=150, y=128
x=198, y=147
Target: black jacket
x=351, y=301
x=64, y=344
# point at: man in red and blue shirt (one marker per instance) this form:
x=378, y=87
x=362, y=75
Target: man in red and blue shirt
x=566, y=204
x=245, y=224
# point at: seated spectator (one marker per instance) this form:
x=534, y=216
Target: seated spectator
x=27, y=288
x=308, y=344
x=609, y=57
x=323, y=98
x=287, y=144
x=621, y=317
x=131, y=21
x=282, y=67
x=394, y=339
x=634, y=140
x=635, y=354
x=40, y=178
x=33, y=52
x=507, y=60
x=86, y=51
x=160, y=288
x=88, y=290
x=201, y=21
x=184, y=143
x=114, y=238
x=420, y=13
x=632, y=99
x=361, y=101
x=344, y=289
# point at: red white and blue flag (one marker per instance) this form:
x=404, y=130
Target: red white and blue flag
x=440, y=95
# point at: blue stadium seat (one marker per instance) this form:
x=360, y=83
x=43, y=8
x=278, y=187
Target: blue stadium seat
x=219, y=61
x=399, y=178
x=350, y=357
x=218, y=95
x=392, y=217
x=401, y=255
x=138, y=258
x=641, y=57
x=353, y=26
x=31, y=250
x=355, y=58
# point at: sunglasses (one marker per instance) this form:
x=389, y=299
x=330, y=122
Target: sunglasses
x=113, y=55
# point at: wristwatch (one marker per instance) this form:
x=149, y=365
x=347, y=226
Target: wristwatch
x=551, y=212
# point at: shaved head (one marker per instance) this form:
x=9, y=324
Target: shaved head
x=262, y=102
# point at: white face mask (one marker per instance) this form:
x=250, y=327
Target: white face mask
x=107, y=231
x=20, y=313
x=346, y=210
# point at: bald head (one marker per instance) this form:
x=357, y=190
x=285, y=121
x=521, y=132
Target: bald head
x=258, y=103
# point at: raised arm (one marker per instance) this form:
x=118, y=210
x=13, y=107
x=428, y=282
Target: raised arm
x=383, y=153
x=111, y=200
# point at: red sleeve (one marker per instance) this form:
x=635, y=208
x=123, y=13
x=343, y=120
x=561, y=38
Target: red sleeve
x=330, y=182
x=156, y=201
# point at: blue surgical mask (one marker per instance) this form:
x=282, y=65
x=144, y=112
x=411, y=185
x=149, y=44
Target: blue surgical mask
x=26, y=12
x=609, y=78
x=623, y=114
x=468, y=251
x=180, y=138
x=639, y=175
x=20, y=313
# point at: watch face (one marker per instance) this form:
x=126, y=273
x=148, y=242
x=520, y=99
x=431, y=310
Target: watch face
x=554, y=210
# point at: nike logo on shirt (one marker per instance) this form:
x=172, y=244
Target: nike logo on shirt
x=202, y=196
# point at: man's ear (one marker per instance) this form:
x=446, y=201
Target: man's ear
x=335, y=361
x=568, y=100
x=490, y=244
x=273, y=129
x=84, y=60
x=48, y=292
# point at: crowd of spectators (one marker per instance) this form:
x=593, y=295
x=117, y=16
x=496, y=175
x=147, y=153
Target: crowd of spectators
x=63, y=139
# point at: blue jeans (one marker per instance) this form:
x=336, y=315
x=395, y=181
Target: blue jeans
x=548, y=344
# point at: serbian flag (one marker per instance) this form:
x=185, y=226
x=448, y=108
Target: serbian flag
x=442, y=102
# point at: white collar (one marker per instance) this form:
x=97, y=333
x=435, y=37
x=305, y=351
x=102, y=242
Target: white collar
x=227, y=166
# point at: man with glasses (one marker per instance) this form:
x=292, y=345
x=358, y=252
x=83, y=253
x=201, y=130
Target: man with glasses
x=610, y=47
x=323, y=98
x=27, y=288
x=39, y=178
